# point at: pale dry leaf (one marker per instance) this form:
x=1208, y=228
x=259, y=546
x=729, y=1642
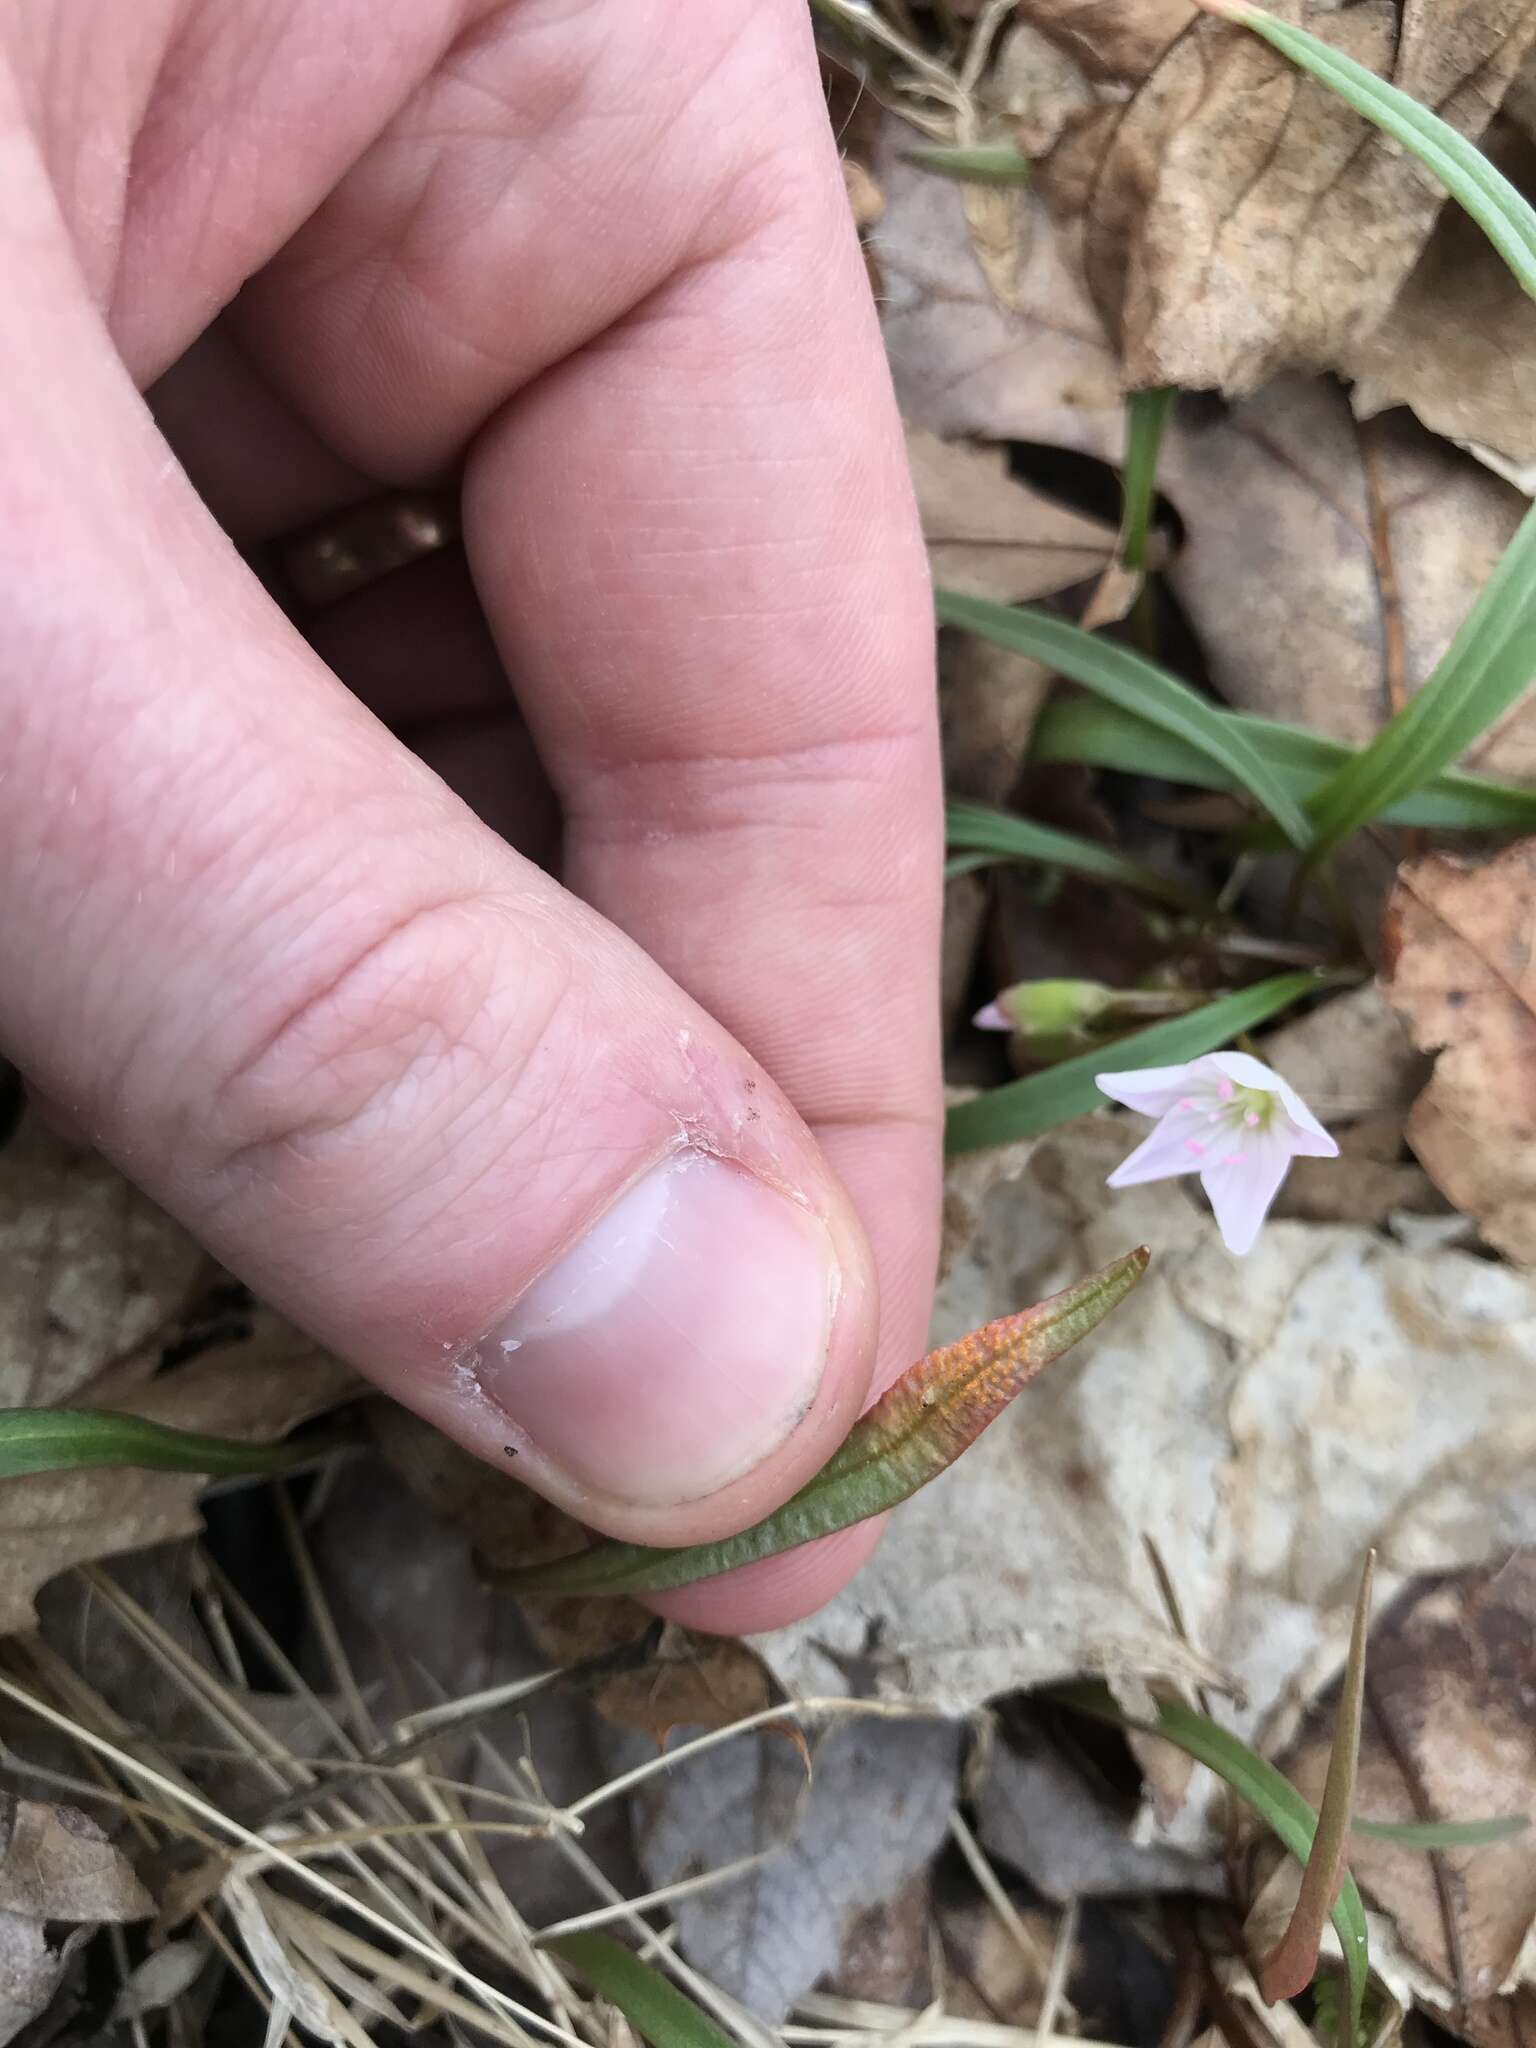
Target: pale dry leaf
x=162, y=1977
x=1041, y=371
x=93, y=1269
x=873, y=1814
x=1459, y=947
x=1244, y=220
x=1450, y=1735
x=256, y=1388
x=1036, y=86
x=991, y=536
x=58, y=1870
x=1459, y=343
x=1262, y=1420
x=32, y=1969
x=57, y=1864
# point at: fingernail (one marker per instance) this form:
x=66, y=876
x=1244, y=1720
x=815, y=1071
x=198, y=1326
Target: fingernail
x=678, y=1343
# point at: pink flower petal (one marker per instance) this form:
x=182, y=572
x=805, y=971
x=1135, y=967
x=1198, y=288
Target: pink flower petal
x=992, y=1018
x=1152, y=1090
x=1241, y=1187
x=1308, y=1136
x=1244, y=1069
x=1166, y=1152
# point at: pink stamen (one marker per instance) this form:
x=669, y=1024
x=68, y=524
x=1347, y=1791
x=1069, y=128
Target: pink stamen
x=1193, y=1145
x=1251, y=1118
x=1232, y=1159
x=1225, y=1089
x=1186, y=1102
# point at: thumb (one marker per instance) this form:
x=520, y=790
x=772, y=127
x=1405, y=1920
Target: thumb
x=433, y=1107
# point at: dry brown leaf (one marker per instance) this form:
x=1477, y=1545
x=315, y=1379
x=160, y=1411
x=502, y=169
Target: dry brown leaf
x=965, y=910
x=1459, y=344
x=1244, y=220
x=1459, y=953
x=92, y=1269
x=1122, y=40
x=1326, y=564
x=256, y=1388
x=991, y=536
x=57, y=1864
x=57, y=1870
x=1450, y=1735
x=989, y=699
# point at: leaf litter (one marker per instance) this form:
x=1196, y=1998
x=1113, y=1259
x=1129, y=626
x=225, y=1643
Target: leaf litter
x=1180, y=1506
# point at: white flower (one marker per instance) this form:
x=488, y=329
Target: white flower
x=1228, y=1118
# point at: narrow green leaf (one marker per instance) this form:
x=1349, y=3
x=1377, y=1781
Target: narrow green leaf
x=968, y=863
x=1291, y=1964
x=1130, y=680
x=984, y=164
x=1146, y=415
x=980, y=828
x=915, y=1431
x=1443, y=1834
x=1504, y=216
x=68, y=1439
x=655, y=2008
x=1257, y=1782
x=1095, y=735
x=1486, y=668
x=1039, y=1102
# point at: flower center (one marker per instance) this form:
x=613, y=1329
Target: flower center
x=1232, y=1115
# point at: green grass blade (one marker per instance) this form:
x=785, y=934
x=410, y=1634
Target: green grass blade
x=984, y=164
x=1136, y=684
x=1146, y=415
x=915, y=1431
x=1486, y=668
x=978, y=828
x=968, y=863
x=1022, y=1109
x=655, y=2008
x=1443, y=1834
x=1271, y=1795
x=1504, y=216
x=70, y=1439
x=1084, y=731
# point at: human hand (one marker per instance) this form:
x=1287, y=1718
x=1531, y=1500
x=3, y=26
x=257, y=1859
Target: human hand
x=507, y=1146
